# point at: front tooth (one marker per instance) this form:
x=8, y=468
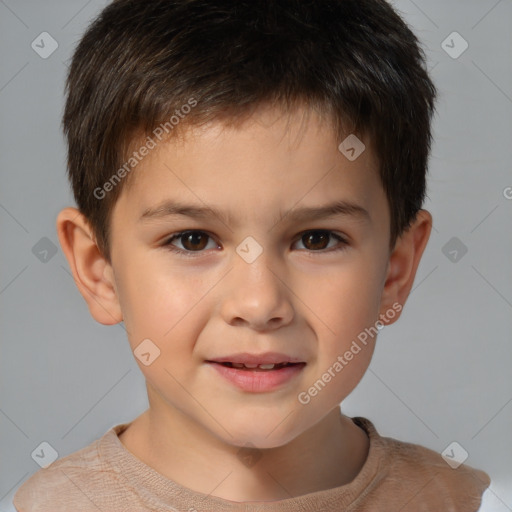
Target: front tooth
x=247, y=365
x=267, y=366
x=237, y=365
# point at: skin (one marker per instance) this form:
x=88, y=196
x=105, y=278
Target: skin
x=302, y=299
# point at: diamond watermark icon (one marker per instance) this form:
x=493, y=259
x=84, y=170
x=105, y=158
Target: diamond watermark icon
x=249, y=250
x=454, y=45
x=44, y=45
x=454, y=455
x=352, y=147
x=454, y=249
x=45, y=454
x=44, y=250
x=146, y=352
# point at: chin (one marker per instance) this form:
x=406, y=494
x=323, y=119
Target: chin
x=259, y=432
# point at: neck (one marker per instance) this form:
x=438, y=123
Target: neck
x=328, y=455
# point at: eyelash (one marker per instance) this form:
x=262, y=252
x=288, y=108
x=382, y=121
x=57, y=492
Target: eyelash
x=343, y=243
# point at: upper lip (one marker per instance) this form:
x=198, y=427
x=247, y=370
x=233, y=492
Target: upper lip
x=265, y=358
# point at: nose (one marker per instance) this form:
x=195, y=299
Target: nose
x=256, y=295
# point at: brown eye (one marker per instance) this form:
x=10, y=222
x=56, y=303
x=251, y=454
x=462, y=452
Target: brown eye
x=322, y=240
x=316, y=240
x=190, y=241
x=194, y=240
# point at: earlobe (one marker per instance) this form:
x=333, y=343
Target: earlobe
x=92, y=273
x=403, y=264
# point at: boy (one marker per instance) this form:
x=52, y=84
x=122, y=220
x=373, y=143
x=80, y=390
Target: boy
x=249, y=178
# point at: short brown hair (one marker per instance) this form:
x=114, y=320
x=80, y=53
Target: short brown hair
x=141, y=61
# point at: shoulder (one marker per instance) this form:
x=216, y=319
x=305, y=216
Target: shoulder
x=78, y=481
x=424, y=477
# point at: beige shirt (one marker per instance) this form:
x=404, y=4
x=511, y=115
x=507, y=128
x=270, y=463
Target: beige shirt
x=396, y=476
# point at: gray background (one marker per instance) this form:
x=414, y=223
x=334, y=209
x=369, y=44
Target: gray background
x=441, y=374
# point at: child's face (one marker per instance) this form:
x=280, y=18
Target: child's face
x=307, y=297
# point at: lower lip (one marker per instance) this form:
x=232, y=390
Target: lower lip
x=258, y=381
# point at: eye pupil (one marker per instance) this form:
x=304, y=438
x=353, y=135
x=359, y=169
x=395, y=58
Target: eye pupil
x=194, y=241
x=316, y=240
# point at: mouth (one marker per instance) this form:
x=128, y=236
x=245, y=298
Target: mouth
x=258, y=373
x=263, y=361
x=257, y=367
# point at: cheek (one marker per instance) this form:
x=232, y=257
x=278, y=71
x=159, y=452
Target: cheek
x=157, y=302
x=166, y=309
x=345, y=301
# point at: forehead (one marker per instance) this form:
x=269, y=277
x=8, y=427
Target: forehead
x=275, y=156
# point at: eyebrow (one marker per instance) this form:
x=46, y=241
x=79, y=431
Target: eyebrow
x=170, y=208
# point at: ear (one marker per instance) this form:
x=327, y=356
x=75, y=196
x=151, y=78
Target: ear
x=402, y=266
x=92, y=273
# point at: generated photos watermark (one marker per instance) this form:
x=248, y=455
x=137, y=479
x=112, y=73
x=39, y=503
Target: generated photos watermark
x=158, y=133
x=304, y=397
